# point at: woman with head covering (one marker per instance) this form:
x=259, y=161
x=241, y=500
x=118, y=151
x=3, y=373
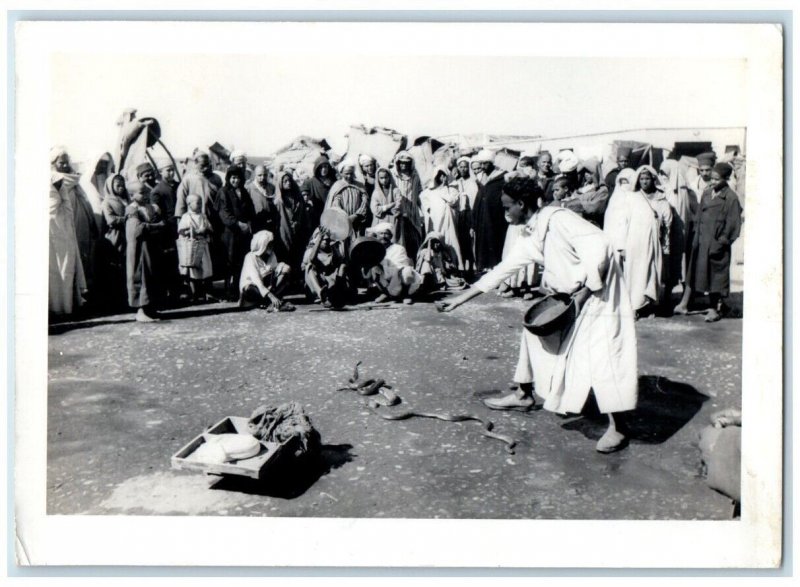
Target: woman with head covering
x=111, y=249
x=634, y=229
x=717, y=225
x=294, y=228
x=388, y=205
x=684, y=205
x=320, y=186
x=262, y=194
x=235, y=210
x=348, y=195
x=67, y=281
x=144, y=229
x=93, y=182
x=439, y=204
x=87, y=231
x=646, y=181
x=597, y=351
x=194, y=225
x=467, y=189
x=263, y=277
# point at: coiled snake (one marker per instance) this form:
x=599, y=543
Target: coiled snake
x=379, y=388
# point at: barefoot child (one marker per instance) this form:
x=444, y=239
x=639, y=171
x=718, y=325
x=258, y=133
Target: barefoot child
x=598, y=351
x=195, y=225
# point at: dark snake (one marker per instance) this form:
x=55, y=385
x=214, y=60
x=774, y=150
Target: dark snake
x=379, y=386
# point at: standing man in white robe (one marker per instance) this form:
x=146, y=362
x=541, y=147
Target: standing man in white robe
x=598, y=351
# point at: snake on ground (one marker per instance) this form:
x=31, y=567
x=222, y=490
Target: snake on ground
x=373, y=387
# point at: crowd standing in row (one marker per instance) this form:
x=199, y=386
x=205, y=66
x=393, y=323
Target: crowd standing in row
x=151, y=242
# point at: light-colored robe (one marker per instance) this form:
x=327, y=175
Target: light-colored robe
x=66, y=277
x=633, y=228
x=439, y=207
x=599, y=351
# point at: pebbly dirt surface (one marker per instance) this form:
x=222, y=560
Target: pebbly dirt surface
x=124, y=397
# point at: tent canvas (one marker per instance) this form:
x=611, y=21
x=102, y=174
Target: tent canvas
x=379, y=142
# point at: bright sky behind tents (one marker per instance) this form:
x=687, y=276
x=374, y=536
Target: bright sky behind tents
x=259, y=103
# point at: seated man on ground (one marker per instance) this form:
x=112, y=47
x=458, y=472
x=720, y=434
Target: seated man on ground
x=263, y=278
x=325, y=270
x=395, y=276
x=435, y=264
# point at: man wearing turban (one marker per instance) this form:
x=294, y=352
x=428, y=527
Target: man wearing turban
x=395, y=277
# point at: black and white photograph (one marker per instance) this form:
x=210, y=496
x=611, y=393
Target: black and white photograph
x=396, y=282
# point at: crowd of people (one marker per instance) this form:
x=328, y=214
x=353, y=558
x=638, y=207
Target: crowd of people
x=151, y=242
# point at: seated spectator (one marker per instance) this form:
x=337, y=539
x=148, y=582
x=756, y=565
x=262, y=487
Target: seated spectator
x=395, y=277
x=263, y=278
x=436, y=266
x=325, y=270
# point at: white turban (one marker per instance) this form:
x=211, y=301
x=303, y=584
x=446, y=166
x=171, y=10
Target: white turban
x=485, y=155
x=567, y=161
x=57, y=152
x=463, y=158
x=345, y=164
x=238, y=153
x=383, y=227
x=363, y=159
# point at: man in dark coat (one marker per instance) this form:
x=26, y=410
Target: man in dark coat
x=235, y=210
x=717, y=225
x=488, y=217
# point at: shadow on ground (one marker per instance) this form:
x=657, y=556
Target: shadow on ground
x=664, y=407
x=291, y=478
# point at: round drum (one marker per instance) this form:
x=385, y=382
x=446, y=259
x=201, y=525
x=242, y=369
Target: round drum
x=367, y=252
x=337, y=223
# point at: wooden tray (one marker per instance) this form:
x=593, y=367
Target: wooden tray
x=253, y=467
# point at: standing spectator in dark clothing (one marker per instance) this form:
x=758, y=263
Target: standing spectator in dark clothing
x=236, y=212
x=368, y=167
x=717, y=225
x=165, y=196
x=488, y=217
x=623, y=161
x=321, y=183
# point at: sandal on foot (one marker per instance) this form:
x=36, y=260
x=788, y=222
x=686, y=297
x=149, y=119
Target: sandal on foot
x=712, y=316
x=611, y=441
x=510, y=402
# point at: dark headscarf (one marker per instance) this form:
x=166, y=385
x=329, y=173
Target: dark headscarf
x=234, y=170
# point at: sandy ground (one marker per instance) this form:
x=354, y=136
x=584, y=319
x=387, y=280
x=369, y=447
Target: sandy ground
x=124, y=397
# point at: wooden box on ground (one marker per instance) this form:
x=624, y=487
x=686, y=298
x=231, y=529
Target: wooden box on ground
x=253, y=467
